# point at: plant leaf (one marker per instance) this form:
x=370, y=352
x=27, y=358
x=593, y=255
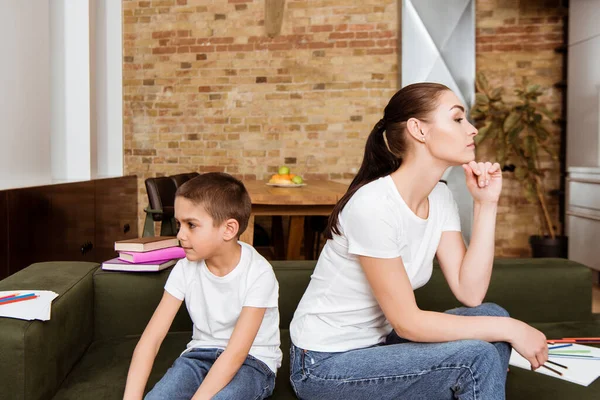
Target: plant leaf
x=481, y=82
x=496, y=94
x=510, y=121
x=545, y=111
x=481, y=99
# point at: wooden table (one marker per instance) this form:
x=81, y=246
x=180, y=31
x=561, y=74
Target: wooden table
x=316, y=198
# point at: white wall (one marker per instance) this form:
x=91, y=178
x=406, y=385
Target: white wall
x=107, y=92
x=25, y=95
x=70, y=88
x=61, y=99
x=583, y=90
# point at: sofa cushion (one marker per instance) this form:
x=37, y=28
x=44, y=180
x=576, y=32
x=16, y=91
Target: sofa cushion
x=102, y=372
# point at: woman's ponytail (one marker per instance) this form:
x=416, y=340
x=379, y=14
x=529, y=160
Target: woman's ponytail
x=378, y=161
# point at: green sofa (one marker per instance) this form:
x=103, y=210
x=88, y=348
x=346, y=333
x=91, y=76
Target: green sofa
x=84, y=351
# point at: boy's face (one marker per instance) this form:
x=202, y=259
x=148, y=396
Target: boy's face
x=197, y=234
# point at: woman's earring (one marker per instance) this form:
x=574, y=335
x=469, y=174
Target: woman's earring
x=422, y=138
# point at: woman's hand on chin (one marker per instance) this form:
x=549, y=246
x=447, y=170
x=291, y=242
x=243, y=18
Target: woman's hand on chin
x=484, y=181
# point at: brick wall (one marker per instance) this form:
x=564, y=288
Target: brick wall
x=516, y=39
x=206, y=90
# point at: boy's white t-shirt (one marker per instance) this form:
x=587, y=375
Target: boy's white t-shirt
x=215, y=303
x=338, y=311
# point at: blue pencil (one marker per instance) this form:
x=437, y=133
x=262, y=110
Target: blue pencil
x=560, y=346
x=11, y=299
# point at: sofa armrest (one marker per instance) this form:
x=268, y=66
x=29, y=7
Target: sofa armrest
x=37, y=355
x=534, y=290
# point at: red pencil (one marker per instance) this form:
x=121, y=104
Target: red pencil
x=573, y=341
x=17, y=300
x=6, y=297
x=581, y=338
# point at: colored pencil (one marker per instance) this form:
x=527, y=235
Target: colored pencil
x=557, y=364
x=17, y=300
x=553, y=370
x=560, y=346
x=570, y=351
x=22, y=296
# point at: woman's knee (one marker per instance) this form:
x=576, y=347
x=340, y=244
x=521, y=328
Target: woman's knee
x=480, y=353
x=492, y=310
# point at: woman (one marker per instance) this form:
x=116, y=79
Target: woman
x=358, y=332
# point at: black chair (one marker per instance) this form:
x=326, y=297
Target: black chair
x=180, y=179
x=161, y=203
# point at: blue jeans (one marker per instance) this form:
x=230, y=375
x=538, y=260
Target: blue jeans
x=399, y=369
x=254, y=380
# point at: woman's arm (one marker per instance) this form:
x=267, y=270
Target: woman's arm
x=230, y=361
x=147, y=348
x=468, y=272
x=392, y=289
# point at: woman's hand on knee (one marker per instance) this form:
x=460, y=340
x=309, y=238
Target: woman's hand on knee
x=530, y=343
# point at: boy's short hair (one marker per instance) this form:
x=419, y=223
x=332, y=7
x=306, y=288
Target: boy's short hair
x=221, y=195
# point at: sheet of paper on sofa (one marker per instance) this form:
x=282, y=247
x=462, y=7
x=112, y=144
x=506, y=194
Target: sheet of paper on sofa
x=38, y=308
x=581, y=371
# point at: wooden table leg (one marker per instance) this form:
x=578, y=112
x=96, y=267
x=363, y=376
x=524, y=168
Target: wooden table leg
x=248, y=235
x=295, y=237
x=277, y=237
x=309, y=242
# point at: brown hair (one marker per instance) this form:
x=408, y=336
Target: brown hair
x=221, y=195
x=413, y=101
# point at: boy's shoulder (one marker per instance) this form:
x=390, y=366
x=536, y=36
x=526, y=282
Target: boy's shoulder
x=256, y=260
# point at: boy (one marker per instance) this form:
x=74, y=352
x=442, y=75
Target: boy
x=231, y=294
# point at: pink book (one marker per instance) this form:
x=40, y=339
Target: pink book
x=155, y=255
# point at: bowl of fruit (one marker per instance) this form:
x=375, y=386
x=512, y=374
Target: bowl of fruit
x=284, y=178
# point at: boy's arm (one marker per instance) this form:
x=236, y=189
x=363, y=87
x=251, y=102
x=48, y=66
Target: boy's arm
x=228, y=363
x=146, y=349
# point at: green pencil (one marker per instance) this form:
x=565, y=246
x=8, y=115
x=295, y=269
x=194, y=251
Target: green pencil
x=570, y=351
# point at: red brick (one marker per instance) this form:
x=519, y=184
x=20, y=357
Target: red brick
x=362, y=43
x=320, y=45
x=164, y=50
x=240, y=47
x=508, y=47
x=344, y=35
x=321, y=28
x=202, y=49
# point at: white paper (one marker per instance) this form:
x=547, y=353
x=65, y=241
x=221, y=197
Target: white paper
x=581, y=371
x=38, y=308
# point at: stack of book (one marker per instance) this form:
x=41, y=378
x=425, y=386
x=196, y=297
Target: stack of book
x=145, y=254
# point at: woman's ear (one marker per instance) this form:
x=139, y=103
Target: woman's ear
x=415, y=129
x=232, y=228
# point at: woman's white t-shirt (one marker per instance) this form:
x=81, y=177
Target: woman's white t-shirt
x=338, y=311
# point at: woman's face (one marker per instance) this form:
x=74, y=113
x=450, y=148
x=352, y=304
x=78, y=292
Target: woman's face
x=448, y=135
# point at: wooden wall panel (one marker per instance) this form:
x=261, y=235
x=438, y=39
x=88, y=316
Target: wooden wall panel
x=3, y=236
x=68, y=222
x=116, y=214
x=29, y=214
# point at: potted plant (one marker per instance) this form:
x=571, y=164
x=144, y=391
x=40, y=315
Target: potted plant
x=517, y=131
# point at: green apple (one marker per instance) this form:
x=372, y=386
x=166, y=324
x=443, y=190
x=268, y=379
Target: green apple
x=297, y=180
x=283, y=170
